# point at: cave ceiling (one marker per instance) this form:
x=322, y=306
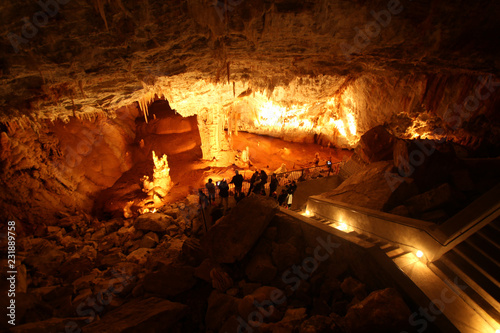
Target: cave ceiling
x=72, y=57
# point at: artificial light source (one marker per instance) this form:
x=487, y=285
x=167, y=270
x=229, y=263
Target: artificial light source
x=420, y=254
x=342, y=226
x=307, y=213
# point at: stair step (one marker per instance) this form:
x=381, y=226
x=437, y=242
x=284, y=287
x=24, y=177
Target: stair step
x=483, y=286
x=388, y=247
x=468, y=294
x=395, y=253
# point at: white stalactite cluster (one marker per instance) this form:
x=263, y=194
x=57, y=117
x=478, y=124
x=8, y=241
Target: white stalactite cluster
x=214, y=143
x=161, y=183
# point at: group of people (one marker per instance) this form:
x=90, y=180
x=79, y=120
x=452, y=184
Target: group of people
x=257, y=182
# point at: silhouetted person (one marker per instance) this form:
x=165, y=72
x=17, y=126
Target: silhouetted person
x=237, y=180
x=224, y=194
x=274, y=184
x=203, y=201
x=211, y=190
x=282, y=197
x=252, y=182
x=263, y=181
x=291, y=191
x=257, y=185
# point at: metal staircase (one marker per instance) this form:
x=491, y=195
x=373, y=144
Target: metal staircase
x=474, y=264
x=471, y=269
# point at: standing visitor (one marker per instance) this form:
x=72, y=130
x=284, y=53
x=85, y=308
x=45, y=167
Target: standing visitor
x=211, y=191
x=237, y=180
x=224, y=194
x=274, y=184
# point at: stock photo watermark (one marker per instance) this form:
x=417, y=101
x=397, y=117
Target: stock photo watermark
x=372, y=29
x=222, y=7
x=420, y=319
x=454, y=118
x=95, y=304
x=11, y=272
x=292, y=277
x=40, y=19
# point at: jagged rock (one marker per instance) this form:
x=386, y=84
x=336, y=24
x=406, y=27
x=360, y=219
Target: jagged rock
x=126, y=268
x=139, y=256
x=86, y=281
x=376, y=145
x=109, y=241
x=192, y=252
x=285, y=255
x=148, y=315
x=248, y=288
x=431, y=199
x=149, y=240
x=170, y=281
x=264, y=299
x=74, y=268
x=203, y=271
x=98, y=234
x=220, y=308
x=400, y=210
x=437, y=216
x=375, y=187
x=381, y=311
x=44, y=256
x=353, y=287
x=82, y=296
x=317, y=324
x=113, y=225
x=221, y=281
x=71, y=243
x=294, y=315
x=111, y=259
x=51, y=229
x=156, y=222
x=261, y=268
x=235, y=234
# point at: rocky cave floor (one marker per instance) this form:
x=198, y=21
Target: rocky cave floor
x=151, y=273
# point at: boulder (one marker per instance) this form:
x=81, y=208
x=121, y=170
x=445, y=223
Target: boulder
x=235, y=234
x=317, y=324
x=285, y=255
x=149, y=240
x=170, y=281
x=192, y=252
x=381, y=311
x=75, y=268
x=220, y=308
x=148, y=315
x=139, y=256
x=376, y=145
x=44, y=256
x=354, y=288
x=261, y=268
x=156, y=222
x=432, y=199
x=375, y=187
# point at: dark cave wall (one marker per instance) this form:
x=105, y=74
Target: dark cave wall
x=55, y=169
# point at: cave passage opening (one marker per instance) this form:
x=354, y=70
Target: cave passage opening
x=182, y=142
